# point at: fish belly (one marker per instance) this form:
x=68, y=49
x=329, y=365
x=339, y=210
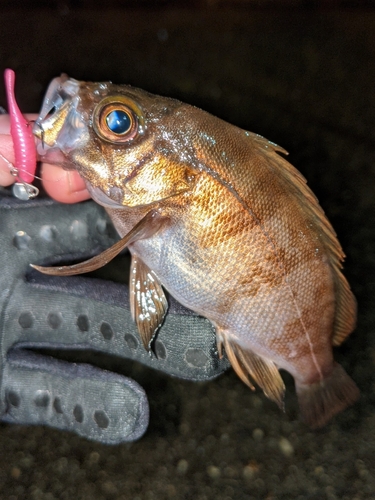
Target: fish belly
x=229, y=271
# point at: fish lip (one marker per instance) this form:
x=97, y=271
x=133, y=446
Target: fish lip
x=50, y=154
x=100, y=197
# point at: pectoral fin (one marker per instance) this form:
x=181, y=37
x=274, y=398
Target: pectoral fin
x=145, y=228
x=261, y=370
x=148, y=303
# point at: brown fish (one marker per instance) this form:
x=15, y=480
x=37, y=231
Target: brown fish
x=215, y=215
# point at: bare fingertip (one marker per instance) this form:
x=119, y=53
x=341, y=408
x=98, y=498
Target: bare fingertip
x=6, y=179
x=63, y=185
x=76, y=183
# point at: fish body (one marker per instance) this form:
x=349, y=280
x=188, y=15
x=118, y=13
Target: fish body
x=230, y=229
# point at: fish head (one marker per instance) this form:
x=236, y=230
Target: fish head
x=123, y=141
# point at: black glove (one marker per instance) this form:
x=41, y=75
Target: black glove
x=80, y=313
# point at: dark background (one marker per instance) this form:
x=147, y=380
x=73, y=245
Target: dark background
x=301, y=73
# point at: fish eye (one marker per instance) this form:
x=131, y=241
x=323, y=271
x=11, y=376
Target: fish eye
x=117, y=119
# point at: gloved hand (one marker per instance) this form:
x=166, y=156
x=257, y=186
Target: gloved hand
x=79, y=313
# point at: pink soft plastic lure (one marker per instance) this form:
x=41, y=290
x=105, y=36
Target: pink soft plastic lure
x=23, y=143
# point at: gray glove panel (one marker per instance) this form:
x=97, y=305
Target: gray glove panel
x=93, y=403
x=80, y=313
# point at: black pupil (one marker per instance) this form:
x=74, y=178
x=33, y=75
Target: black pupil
x=118, y=121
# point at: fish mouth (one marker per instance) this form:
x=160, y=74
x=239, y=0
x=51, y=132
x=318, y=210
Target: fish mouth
x=60, y=125
x=49, y=154
x=100, y=197
x=53, y=156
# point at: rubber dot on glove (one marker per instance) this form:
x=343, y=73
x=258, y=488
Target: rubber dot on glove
x=78, y=413
x=196, y=357
x=101, y=419
x=106, y=330
x=26, y=319
x=160, y=350
x=83, y=323
x=54, y=320
x=42, y=399
x=21, y=240
x=131, y=341
x=57, y=406
x=13, y=399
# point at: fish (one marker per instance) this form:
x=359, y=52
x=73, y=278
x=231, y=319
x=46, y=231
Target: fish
x=215, y=215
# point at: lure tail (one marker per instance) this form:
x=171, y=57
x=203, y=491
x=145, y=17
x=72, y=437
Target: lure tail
x=23, y=143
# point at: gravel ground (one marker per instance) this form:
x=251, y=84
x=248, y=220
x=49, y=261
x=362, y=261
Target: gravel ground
x=304, y=79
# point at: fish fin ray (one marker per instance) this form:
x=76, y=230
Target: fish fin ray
x=237, y=365
x=346, y=308
x=148, y=303
x=320, y=401
x=263, y=371
x=145, y=228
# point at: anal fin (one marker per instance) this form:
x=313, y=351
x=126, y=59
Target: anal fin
x=148, y=303
x=263, y=371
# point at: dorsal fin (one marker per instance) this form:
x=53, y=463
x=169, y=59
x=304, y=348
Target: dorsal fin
x=346, y=306
x=261, y=370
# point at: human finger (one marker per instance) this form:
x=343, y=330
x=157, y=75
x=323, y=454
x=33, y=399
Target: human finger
x=66, y=186
x=6, y=160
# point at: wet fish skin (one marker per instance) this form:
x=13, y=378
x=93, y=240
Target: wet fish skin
x=244, y=243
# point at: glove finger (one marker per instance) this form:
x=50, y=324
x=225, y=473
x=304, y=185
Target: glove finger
x=93, y=314
x=85, y=313
x=93, y=403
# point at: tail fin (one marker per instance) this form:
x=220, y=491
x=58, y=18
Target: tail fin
x=320, y=401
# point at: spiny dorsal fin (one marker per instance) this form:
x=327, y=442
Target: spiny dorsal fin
x=262, y=371
x=346, y=306
x=148, y=303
